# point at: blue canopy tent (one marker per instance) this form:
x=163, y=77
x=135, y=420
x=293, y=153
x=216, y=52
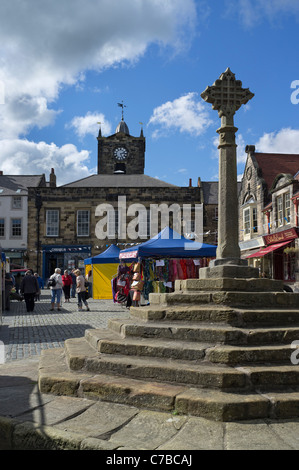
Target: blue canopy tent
x=104, y=267
x=111, y=255
x=168, y=243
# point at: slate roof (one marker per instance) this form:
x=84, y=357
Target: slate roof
x=210, y=192
x=119, y=181
x=273, y=164
x=12, y=185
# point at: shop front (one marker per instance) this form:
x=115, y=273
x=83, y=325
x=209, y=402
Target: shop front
x=279, y=258
x=251, y=246
x=63, y=257
x=17, y=257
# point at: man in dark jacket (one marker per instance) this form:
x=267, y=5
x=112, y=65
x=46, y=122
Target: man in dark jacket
x=29, y=288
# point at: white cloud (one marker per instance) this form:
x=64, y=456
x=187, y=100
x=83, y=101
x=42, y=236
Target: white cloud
x=45, y=45
x=23, y=112
x=89, y=124
x=185, y=114
x=24, y=157
x=283, y=141
x=251, y=12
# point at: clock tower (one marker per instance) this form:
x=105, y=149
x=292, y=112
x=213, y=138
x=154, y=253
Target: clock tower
x=121, y=153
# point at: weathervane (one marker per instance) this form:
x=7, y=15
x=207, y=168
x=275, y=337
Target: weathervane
x=122, y=105
x=100, y=130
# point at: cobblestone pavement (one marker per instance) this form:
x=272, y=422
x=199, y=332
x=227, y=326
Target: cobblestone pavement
x=26, y=334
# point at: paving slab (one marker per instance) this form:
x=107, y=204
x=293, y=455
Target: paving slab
x=148, y=430
x=253, y=436
x=55, y=422
x=19, y=400
x=197, y=434
x=100, y=420
x=56, y=409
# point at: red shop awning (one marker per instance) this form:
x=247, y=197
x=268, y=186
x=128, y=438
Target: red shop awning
x=268, y=249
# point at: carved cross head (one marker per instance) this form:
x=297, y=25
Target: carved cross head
x=227, y=95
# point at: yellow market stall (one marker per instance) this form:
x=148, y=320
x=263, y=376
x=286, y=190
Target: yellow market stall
x=103, y=268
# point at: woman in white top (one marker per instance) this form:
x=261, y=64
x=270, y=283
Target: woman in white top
x=56, y=290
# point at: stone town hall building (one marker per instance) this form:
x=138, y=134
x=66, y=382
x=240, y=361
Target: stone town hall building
x=67, y=224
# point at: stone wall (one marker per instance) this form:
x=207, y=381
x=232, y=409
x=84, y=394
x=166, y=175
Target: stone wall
x=69, y=200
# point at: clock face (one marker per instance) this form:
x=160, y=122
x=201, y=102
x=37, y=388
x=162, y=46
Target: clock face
x=120, y=153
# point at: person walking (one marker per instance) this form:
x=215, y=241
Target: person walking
x=88, y=279
x=40, y=285
x=29, y=288
x=81, y=290
x=67, y=282
x=73, y=288
x=55, y=283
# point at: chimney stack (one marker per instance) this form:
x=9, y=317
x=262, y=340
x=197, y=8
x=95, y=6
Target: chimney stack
x=52, y=179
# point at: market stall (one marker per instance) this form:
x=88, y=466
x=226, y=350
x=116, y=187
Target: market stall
x=166, y=258
x=103, y=268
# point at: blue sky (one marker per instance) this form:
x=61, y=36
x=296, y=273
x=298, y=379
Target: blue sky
x=62, y=70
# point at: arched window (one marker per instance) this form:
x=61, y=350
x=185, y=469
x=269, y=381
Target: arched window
x=250, y=224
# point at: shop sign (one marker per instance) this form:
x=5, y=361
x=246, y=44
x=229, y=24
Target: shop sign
x=280, y=236
x=131, y=254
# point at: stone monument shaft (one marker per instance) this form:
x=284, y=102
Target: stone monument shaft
x=226, y=96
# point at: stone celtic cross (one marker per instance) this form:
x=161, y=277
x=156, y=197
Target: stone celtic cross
x=226, y=96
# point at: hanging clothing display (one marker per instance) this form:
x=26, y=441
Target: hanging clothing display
x=160, y=275
x=151, y=275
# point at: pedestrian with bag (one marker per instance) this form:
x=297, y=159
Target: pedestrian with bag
x=29, y=288
x=81, y=290
x=55, y=284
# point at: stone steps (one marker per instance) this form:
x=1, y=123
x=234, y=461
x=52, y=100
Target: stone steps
x=219, y=367
x=228, y=298
x=219, y=314
x=207, y=350
x=220, y=405
x=108, y=342
x=152, y=368
x=229, y=284
x=204, y=332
